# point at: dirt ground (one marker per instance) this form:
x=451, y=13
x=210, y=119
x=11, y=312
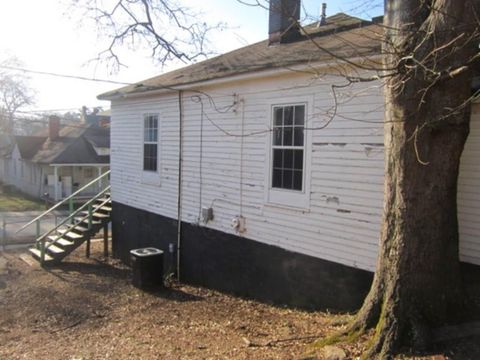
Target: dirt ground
x=87, y=309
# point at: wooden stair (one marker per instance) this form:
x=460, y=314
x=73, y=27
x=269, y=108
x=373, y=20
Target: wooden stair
x=69, y=237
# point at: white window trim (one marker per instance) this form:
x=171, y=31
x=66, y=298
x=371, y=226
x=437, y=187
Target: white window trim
x=150, y=177
x=286, y=198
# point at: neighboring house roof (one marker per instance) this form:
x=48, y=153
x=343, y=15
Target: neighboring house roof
x=6, y=145
x=73, y=146
x=29, y=145
x=98, y=136
x=343, y=36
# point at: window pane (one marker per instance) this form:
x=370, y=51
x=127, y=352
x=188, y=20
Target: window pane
x=298, y=136
x=288, y=159
x=277, y=136
x=298, y=160
x=277, y=178
x=287, y=136
x=277, y=158
x=150, y=157
x=300, y=115
x=288, y=116
x=287, y=179
x=278, y=116
x=297, y=179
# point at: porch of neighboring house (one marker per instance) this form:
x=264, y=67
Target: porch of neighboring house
x=61, y=180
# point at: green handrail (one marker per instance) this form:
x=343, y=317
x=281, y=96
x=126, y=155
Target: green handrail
x=41, y=240
x=67, y=199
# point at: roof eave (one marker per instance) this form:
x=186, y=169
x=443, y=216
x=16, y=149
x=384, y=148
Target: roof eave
x=251, y=75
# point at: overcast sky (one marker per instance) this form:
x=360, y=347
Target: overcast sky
x=47, y=37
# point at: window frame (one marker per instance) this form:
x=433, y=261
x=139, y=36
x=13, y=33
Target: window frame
x=151, y=177
x=289, y=198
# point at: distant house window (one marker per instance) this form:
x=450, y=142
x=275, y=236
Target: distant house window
x=150, y=143
x=288, y=147
x=88, y=172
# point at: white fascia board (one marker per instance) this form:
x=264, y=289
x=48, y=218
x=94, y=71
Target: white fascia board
x=95, y=165
x=242, y=77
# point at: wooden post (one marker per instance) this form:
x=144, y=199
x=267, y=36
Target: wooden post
x=100, y=181
x=90, y=214
x=71, y=208
x=38, y=228
x=87, y=250
x=42, y=251
x=55, y=184
x=4, y=232
x=105, y=239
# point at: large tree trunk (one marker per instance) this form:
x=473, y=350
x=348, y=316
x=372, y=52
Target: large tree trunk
x=417, y=285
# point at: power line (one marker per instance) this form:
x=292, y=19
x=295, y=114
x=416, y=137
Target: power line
x=63, y=75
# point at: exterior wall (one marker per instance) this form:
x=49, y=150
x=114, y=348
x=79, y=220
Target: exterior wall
x=24, y=175
x=341, y=221
x=469, y=193
x=239, y=265
x=227, y=172
x=81, y=176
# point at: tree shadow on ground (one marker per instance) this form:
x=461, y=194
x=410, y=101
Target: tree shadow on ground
x=99, y=268
x=173, y=294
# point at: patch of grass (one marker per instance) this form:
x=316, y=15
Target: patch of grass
x=18, y=202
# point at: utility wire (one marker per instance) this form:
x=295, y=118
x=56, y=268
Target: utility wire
x=13, y=68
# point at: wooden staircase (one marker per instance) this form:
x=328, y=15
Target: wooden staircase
x=68, y=237
x=77, y=228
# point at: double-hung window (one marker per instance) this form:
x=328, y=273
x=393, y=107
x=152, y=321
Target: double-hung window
x=288, y=182
x=150, y=143
x=288, y=147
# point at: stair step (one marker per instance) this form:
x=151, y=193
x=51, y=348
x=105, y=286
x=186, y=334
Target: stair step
x=103, y=199
x=70, y=234
x=82, y=227
x=104, y=208
x=58, y=240
x=96, y=215
x=37, y=254
x=94, y=222
x=53, y=249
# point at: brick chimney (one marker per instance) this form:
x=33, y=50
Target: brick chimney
x=53, y=127
x=283, y=21
x=323, y=15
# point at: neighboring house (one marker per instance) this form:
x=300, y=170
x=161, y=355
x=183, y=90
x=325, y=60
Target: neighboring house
x=96, y=117
x=55, y=164
x=273, y=164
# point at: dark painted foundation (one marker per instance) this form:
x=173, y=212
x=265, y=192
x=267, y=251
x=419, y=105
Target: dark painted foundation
x=241, y=266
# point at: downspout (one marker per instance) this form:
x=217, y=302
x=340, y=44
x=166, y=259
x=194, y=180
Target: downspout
x=180, y=162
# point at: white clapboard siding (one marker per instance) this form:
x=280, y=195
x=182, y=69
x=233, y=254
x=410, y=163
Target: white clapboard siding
x=469, y=193
x=342, y=221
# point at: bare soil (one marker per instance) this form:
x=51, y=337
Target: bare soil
x=88, y=309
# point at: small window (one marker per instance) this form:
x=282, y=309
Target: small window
x=288, y=147
x=150, y=143
x=88, y=172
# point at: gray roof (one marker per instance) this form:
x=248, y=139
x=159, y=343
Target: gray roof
x=29, y=145
x=73, y=146
x=343, y=36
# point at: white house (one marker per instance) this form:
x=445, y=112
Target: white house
x=272, y=163
x=56, y=164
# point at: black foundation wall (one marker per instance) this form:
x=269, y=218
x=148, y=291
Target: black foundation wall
x=241, y=266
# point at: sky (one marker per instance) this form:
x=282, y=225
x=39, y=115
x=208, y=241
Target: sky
x=48, y=36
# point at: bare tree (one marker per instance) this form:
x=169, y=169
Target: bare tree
x=14, y=94
x=430, y=54
x=433, y=45
x=170, y=30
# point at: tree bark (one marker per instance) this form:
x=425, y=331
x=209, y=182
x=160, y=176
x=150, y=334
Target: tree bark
x=417, y=284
